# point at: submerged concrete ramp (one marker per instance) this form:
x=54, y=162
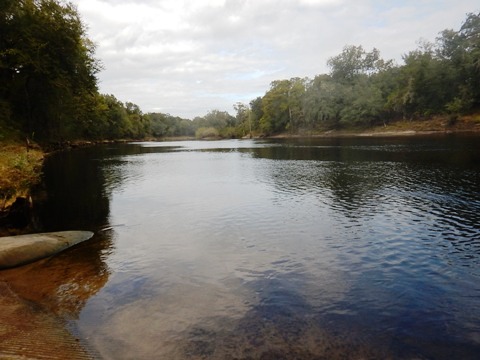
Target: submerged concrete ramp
x=22, y=249
x=28, y=332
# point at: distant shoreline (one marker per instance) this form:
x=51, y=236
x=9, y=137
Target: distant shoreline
x=380, y=134
x=436, y=126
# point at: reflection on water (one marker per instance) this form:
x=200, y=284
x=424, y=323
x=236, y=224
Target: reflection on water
x=325, y=248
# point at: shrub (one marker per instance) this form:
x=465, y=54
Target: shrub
x=207, y=133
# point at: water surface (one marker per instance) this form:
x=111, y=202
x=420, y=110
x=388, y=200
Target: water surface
x=335, y=248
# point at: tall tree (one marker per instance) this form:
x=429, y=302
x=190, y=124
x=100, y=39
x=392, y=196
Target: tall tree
x=256, y=112
x=470, y=35
x=275, y=107
x=355, y=61
x=357, y=95
x=243, y=118
x=283, y=105
x=47, y=66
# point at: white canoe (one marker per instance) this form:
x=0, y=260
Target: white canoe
x=22, y=249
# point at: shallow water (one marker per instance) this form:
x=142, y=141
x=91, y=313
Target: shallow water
x=335, y=248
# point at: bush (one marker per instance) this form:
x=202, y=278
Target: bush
x=231, y=133
x=207, y=133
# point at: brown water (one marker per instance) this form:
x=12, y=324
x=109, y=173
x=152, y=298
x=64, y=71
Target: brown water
x=327, y=248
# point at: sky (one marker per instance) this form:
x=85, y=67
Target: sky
x=188, y=57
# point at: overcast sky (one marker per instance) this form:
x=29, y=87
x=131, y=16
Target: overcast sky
x=187, y=57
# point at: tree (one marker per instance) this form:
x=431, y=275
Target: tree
x=364, y=104
x=283, y=106
x=115, y=118
x=358, y=87
x=256, y=113
x=161, y=125
x=470, y=36
x=47, y=67
x=219, y=119
x=138, y=123
x=243, y=119
x=355, y=61
x=325, y=99
x=275, y=107
x=158, y=124
x=296, y=103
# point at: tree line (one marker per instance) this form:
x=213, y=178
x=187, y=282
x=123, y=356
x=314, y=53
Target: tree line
x=48, y=83
x=49, y=89
x=362, y=89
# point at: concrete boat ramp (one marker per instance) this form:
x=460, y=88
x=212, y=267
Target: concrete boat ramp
x=22, y=249
x=28, y=331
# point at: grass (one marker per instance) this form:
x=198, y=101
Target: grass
x=19, y=171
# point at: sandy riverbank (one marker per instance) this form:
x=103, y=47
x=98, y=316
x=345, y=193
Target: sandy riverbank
x=435, y=126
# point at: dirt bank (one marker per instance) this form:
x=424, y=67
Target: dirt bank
x=435, y=126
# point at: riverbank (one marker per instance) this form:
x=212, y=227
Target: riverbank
x=437, y=125
x=20, y=166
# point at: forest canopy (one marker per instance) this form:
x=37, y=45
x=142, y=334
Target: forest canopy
x=49, y=87
x=362, y=89
x=47, y=68
x=48, y=83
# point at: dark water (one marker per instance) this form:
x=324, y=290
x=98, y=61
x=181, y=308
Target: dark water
x=327, y=248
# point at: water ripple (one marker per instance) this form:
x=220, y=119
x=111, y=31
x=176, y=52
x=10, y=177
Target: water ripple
x=329, y=248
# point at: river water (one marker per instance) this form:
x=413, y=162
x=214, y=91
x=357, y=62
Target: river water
x=269, y=249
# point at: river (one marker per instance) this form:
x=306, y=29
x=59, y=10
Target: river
x=268, y=249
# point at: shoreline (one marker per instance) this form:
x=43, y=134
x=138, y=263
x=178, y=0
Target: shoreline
x=384, y=134
x=437, y=126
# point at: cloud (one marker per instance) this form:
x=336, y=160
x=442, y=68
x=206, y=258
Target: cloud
x=188, y=57
x=321, y=3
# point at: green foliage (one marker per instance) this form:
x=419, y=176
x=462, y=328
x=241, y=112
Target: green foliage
x=363, y=89
x=364, y=106
x=48, y=86
x=256, y=112
x=165, y=125
x=216, y=119
x=354, y=61
x=325, y=100
x=231, y=132
x=207, y=133
x=46, y=66
x=243, y=120
x=283, y=106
